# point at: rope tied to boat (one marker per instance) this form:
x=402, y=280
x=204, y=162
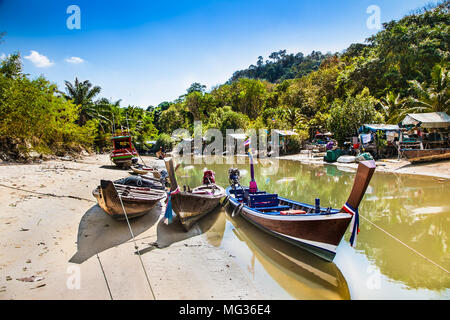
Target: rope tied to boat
x=355, y=231
x=168, y=215
x=136, y=247
x=354, y=226
x=104, y=276
x=407, y=246
x=237, y=210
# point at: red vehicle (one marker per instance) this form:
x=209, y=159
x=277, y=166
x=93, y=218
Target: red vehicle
x=124, y=154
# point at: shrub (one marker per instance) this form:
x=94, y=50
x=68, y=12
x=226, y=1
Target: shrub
x=346, y=117
x=164, y=141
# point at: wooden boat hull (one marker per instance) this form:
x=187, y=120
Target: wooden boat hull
x=136, y=201
x=319, y=234
x=318, y=230
x=191, y=207
x=123, y=161
x=426, y=155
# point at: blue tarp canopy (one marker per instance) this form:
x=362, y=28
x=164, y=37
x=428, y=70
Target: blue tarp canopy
x=378, y=127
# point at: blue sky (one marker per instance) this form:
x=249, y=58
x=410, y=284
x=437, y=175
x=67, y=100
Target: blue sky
x=146, y=52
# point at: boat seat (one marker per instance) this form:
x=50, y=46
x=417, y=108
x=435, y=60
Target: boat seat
x=278, y=209
x=292, y=212
x=264, y=201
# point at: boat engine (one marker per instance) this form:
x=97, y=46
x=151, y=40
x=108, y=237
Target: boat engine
x=234, y=176
x=209, y=177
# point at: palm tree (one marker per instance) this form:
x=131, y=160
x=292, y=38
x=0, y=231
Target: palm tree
x=431, y=98
x=434, y=98
x=108, y=114
x=82, y=94
x=392, y=106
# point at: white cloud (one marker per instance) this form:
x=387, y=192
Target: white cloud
x=39, y=60
x=74, y=60
x=2, y=56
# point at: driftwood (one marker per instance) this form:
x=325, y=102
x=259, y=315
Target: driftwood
x=62, y=168
x=46, y=194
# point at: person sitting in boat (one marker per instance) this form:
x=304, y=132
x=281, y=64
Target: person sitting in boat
x=161, y=154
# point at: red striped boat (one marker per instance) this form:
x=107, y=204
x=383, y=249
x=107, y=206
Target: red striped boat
x=124, y=154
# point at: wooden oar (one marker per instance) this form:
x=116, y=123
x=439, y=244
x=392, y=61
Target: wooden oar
x=140, y=156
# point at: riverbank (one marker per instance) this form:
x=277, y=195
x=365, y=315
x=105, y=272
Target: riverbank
x=56, y=243
x=48, y=216
x=434, y=169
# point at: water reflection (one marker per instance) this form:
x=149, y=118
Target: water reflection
x=301, y=274
x=415, y=209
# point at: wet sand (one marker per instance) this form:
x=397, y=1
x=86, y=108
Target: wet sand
x=56, y=220
x=56, y=242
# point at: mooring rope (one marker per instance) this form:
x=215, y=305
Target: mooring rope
x=104, y=276
x=136, y=247
x=401, y=242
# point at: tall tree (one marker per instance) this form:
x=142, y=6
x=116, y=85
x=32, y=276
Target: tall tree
x=392, y=106
x=196, y=87
x=432, y=98
x=82, y=94
x=11, y=66
x=347, y=116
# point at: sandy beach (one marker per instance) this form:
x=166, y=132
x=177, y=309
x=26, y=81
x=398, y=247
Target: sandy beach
x=436, y=169
x=56, y=243
x=49, y=216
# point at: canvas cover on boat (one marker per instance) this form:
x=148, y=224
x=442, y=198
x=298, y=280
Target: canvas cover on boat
x=428, y=120
x=135, y=181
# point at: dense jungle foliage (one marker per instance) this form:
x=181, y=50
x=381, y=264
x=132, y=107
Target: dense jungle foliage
x=403, y=68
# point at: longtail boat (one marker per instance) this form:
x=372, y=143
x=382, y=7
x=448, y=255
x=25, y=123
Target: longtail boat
x=138, y=197
x=426, y=155
x=124, y=153
x=192, y=205
x=314, y=228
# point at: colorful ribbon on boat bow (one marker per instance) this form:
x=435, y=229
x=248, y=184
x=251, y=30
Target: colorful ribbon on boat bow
x=354, y=224
x=168, y=216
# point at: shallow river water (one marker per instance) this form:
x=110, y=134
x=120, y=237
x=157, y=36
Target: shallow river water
x=403, y=250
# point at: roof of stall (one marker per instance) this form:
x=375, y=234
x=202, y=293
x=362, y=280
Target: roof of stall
x=379, y=127
x=427, y=120
x=286, y=133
